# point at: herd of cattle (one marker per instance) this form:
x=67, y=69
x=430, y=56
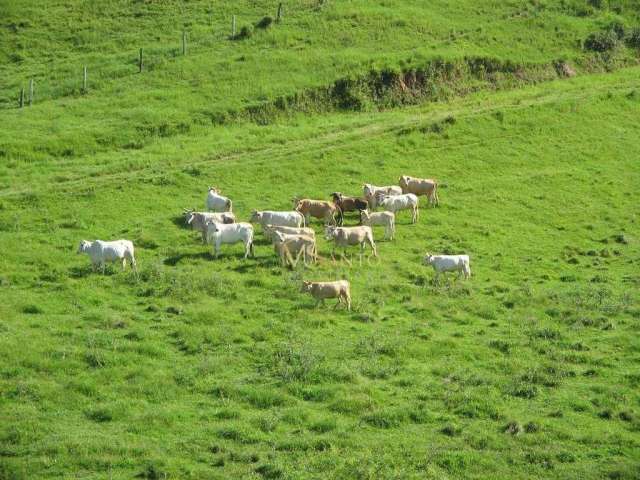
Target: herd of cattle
x=293, y=239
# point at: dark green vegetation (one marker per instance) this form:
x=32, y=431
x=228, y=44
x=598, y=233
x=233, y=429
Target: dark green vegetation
x=221, y=369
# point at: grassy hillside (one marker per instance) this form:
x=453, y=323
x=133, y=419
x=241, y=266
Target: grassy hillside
x=209, y=368
x=311, y=48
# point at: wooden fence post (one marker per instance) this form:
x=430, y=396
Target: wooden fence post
x=140, y=62
x=30, y=91
x=279, y=14
x=22, y=97
x=84, y=79
x=233, y=26
x=184, y=42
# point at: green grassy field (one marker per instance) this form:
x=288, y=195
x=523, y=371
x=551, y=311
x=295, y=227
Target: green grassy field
x=202, y=368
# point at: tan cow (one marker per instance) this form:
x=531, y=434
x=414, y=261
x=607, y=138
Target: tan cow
x=323, y=290
x=321, y=209
x=420, y=186
x=289, y=248
x=269, y=230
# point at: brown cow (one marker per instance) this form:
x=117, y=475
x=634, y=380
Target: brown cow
x=348, y=204
x=321, y=209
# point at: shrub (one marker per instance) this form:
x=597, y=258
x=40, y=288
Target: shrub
x=601, y=41
x=245, y=32
x=634, y=38
x=265, y=22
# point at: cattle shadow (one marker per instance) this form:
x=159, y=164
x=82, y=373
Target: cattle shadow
x=173, y=260
x=87, y=270
x=180, y=222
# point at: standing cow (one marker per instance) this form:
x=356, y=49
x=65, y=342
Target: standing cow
x=216, y=202
x=102, y=252
x=449, y=263
x=420, y=186
x=371, y=193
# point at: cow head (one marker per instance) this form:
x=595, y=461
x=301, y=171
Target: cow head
x=278, y=236
x=190, y=217
x=306, y=286
x=214, y=190
x=296, y=201
x=364, y=215
x=336, y=197
x=367, y=189
x=84, y=246
x=329, y=232
x=428, y=258
x=256, y=216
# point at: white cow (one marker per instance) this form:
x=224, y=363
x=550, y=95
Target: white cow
x=217, y=202
x=279, y=219
x=449, y=263
x=407, y=201
x=385, y=219
x=219, y=233
x=199, y=220
x=346, y=236
x=102, y=252
x=371, y=193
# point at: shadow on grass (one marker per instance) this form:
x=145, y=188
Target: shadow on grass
x=85, y=271
x=179, y=221
x=175, y=259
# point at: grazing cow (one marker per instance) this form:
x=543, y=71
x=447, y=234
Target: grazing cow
x=219, y=233
x=101, y=252
x=280, y=219
x=346, y=236
x=449, y=263
x=406, y=201
x=347, y=204
x=386, y=219
x=321, y=209
x=199, y=220
x=269, y=230
x=371, y=192
x=323, y=290
x=217, y=202
x=288, y=246
x=420, y=186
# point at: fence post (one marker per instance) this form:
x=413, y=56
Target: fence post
x=279, y=14
x=30, y=91
x=84, y=79
x=22, y=97
x=184, y=42
x=233, y=26
x=140, y=62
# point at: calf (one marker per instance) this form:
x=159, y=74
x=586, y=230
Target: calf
x=371, y=192
x=219, y=233
x=101, y=252
x=407, y=201
x=280, y=219
x=287, y=246
x=420, y=186
x=321, y=209
x=346, y=236
x=323, y=290
x=386, y=219
x=269, y=231
x=347, y=204
x=216, y=202
x=449, y=263
x=199, y=220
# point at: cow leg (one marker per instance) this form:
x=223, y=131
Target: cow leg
x=124, y=263
x=103, y=266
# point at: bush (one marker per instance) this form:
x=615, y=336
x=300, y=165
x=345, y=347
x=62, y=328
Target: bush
x=245, y=32
x=634, y=38
x=264, y=23
x=602, y=41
